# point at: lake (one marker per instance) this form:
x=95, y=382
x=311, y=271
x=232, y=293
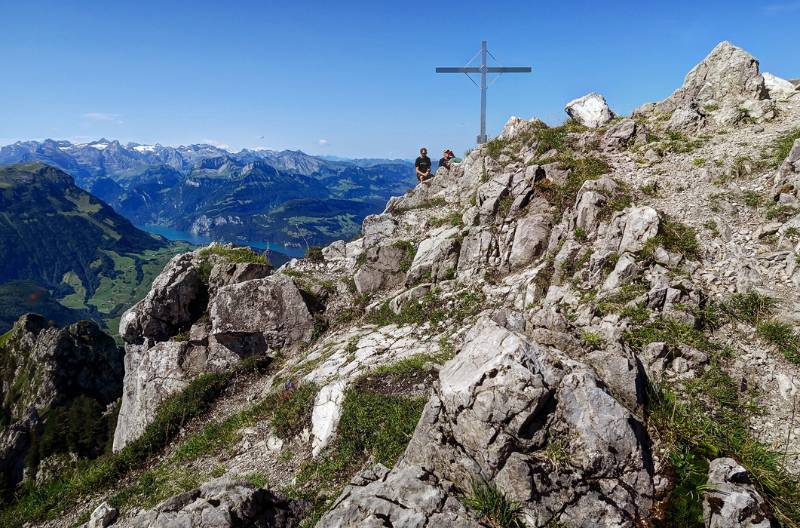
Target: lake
x=200, y=240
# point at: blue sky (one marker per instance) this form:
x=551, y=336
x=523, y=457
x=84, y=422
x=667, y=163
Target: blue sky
x=349, y=78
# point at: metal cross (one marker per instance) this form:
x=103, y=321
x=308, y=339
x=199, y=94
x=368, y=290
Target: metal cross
x=483, y=70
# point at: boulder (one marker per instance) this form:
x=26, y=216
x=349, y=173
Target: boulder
x=267, y=314
x=490, y=193
x=436, y=258
x=591, y=110
x=382, y=268
x=224, y=273
x=382, y=224
x=730, y=499
x=530, y=240
x=151, y=376
x=103, y=516
x=176, y=299
x=640, y=225
x=779, y=89
x=624, y=133
x=407, y=497
x=222, y=503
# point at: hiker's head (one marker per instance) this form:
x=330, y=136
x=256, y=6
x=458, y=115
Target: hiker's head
x=423, y=151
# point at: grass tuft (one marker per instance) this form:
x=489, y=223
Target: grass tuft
x=497, y=510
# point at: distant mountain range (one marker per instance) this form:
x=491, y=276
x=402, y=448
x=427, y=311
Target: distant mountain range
x=67, y=254
x=285, y=197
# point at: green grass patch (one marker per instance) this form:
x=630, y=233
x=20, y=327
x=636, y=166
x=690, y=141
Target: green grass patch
x=34, y=503
x=670, y=331
x=410, y=252
x=675, y=237
x=781, y=335
x=494, y=507
x=780, y=148
x=431, y=309
x=372, y=426
x=238, y=255
x=452, y=219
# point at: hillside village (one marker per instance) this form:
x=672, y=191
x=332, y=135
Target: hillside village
x=590, y=324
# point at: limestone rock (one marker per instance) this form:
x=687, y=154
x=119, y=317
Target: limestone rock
x=266, y=314
x=381, y=268
x=499, y=403
x=624, y=133
x=221, y=503
x=779, y=89
x=591, y=110
x=407, y=497
x=436, y=257
x=176, y=299
x=530, y=240
x=731, y=499
x=103, y=516
x=726, y=77
x=225, y=273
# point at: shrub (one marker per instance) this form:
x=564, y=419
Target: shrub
x=752, y=199
x=593, y=339
x=314, y=254
x=494, y=507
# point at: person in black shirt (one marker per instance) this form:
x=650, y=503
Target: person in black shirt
x=445, y=161
x=423, y=165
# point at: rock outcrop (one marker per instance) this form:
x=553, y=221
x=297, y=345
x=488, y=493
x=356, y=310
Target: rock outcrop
x=204, y=313
x=590, y=110
x=724, y=89
x=497, y=409
x=221, y=503
x=44, y=368
x=731, y=498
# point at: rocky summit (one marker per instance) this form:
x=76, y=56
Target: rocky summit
x=583, y=325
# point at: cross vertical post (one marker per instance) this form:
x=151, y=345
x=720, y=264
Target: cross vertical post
x=484, y=69
x=482, y=136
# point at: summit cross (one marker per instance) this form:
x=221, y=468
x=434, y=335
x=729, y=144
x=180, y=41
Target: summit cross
x=483, y=69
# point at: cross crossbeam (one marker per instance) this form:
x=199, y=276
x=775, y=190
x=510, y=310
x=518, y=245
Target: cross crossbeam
x=484, y=69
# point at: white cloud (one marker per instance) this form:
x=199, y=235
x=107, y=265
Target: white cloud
x=323, y=142
x=103, y=117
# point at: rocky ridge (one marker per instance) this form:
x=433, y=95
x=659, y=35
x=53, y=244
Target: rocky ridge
x=584, y=325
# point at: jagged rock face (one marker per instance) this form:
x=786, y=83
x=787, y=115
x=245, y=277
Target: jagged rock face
x=727, y=73
x=382, y=267
x=249, y=312
x=591, y=110
x=15, y=441
x=496, y=409
x=221, y=503
x=723, y=89
x=731, y=499
x=436, y=258
x=43, y=367
x=176, y=298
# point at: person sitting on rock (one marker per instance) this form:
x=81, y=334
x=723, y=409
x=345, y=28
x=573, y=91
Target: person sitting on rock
x=445, y=161
x=423, y=165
